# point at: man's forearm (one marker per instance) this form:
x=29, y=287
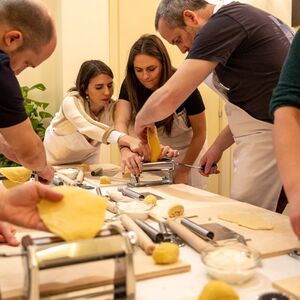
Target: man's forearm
x=224, y=139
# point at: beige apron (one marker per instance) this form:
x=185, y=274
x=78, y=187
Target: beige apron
x=255, y=174
x=180, y=139
x=71, y=148
x=74, y=147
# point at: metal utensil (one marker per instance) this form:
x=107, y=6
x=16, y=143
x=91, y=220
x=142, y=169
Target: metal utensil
x=153, y=233
x=170, y=236
x=198, y=229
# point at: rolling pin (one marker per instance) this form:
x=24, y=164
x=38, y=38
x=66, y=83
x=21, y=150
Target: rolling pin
x=80, y=176
x=111, y=206
x=190, y=238
x=118, y=197
x=143, y=240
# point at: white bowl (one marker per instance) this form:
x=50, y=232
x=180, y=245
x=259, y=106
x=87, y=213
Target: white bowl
x=234, y=263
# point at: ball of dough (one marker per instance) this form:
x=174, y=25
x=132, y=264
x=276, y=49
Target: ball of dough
x=217, y=290
x=151, y=199
x=166, y=253
x=105, y=180
x=175, y=211
x=85, y=167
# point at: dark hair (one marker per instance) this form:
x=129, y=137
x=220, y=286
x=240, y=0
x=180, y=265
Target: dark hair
x=31, y=19
x=148, y=44
x=88, y=70
x=172, y=11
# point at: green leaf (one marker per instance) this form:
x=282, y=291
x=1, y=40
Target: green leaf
x=45, y=115
x=38, y=86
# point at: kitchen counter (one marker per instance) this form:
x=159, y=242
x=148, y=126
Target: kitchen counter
x=187, y=285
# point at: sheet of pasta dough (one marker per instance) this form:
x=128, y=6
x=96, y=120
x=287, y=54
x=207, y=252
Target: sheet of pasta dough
x=16, y=174
x=248, y=220
x=79, y=215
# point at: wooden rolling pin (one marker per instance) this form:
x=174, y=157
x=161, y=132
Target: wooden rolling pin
x=80, y=176
x=118, y=197
x=144, y=241
x=189, y=237
x=111, y=206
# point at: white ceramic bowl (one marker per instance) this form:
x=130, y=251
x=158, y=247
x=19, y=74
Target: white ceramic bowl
x=135, y=209
x=233, y=263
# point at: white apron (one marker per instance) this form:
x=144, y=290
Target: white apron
x=71, y=148
x=180, y=139
x=255, y=175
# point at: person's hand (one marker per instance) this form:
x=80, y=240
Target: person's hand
x=141, y=131
x=181, y=175
x=7, y=234
x=46, y=175
x=131, y=161
x=136, y=146
x=167, y=151
x=209, y=161
x=294, y=212
x=19, y=205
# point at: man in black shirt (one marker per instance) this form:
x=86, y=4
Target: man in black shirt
x=242, y=48
x=27, y=38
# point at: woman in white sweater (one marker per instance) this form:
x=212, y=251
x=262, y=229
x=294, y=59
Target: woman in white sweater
x=85, y=120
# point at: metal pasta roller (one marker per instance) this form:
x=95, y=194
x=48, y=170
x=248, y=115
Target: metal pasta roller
x=112, y=244
x=164, y=168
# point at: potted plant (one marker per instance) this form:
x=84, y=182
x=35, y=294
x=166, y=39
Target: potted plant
x=36, y=113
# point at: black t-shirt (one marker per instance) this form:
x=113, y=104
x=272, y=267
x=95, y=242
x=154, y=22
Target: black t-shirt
x=12, y=110
x=193, y=104
x=250, y=46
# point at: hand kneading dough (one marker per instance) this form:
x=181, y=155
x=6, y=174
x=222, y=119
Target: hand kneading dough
x=154, y=144
x=16, y=174
x=248, y=220
x=175, y=211
x=79, y=215
x=105, y=180
x=166, y=253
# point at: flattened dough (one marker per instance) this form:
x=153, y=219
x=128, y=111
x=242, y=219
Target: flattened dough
x=16, y=174
x=154, y=144
x=248, y=220
x=79, y=215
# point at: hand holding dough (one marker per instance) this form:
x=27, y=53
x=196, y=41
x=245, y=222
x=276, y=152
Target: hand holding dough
x=79, y=215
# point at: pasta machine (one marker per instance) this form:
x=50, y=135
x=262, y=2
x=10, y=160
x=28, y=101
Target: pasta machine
x=111, y=246
x=164, y=169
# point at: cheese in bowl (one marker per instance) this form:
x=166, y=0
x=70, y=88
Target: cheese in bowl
x=234, y=263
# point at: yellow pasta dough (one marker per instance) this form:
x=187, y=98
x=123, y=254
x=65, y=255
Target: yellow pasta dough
x=166, y=253
x=175, y=211
x=16, y=174
x=154, y=144
x=79, y=215
x=105, y=180
x=151, y=199
x=218, y=290
x=249, y=220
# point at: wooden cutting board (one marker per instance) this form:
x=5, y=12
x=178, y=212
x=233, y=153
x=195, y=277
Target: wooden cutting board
x=289, y=286
x=83, y=275
x=207, y=206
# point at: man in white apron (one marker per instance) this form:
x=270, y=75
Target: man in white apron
x=244, y=48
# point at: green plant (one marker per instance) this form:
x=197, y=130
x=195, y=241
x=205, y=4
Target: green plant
x=36, y=113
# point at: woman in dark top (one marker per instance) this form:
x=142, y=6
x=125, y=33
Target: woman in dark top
x=148, y=68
